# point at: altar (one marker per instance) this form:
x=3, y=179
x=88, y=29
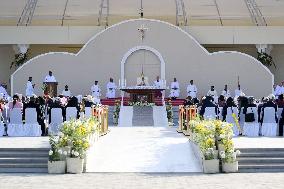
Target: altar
x=142, y=93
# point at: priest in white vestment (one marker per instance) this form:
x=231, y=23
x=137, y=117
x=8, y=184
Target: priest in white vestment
x=174, y=89
x=142, y=81
x=96, y=92
x=213, y=93
x=226, y=92
x=191, y=90
x=158, y=83
x=111, y=87
x=3, y=92
x=66, y=92
x=49, y=77
x=30, y=88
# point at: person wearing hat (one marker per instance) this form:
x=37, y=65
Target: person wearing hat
x=30, y=88
x=226, y=92
x=213, y=93
x=66, y=92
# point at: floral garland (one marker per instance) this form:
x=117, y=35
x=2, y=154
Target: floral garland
x=141, y=104
x=19, y=59
x=265, y=59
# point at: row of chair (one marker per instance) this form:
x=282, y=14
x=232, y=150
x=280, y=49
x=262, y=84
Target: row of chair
x=31, y=127
x=268, y=127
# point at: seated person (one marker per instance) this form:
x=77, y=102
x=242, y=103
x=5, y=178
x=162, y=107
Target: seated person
x=188, y=101
x=221, y=101
x=229, y=104
x=280, y=101
x=208, y=102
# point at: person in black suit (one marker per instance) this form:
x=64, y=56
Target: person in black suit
x=73, y=102
x=55, y=104
x=229, y=104
x=208, y=102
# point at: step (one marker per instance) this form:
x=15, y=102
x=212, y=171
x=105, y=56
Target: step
x=24, y=165
x=249, y=150
x=23, y=154
x=262, y=166
x=261, y=160
x=268, y=154
x=24, y=149
x=23, y=170
x=23, y=160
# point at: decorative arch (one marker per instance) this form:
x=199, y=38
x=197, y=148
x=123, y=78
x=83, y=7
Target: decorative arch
x=142, y=47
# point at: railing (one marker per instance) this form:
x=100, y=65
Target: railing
x=101, y=114
x=186, y=113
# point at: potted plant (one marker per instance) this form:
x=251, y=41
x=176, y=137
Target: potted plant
x=55, y=163
x=210, y=162
x=229, y=158
x=116, y=112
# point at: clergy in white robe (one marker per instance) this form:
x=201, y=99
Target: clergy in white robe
x=226, y=92
x=49, y=77
x=96, y=91
x=239, y=92
x=30, y=88
x=158, y=83
x=66, y=92
x=213, y=93
x=174, y=89
x=191, y=90
x=3, y=92
x=111, y=87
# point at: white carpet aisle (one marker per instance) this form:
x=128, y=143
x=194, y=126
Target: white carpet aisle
x=143, y=149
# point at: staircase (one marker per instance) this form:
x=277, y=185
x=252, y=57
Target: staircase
x=261, y=160
x=23, y=160
x=142, y=116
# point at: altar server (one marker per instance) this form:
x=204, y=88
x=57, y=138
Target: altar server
x=50, y=77
x=111, y=87
x=30, y=88
x=158, y=83
x=174, y=89
x=213, y=93
x=96, y=92
x=226, y=92
x=191, y=90
x=239, y=92
x=66, y=92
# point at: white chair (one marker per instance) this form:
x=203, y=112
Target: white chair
x=32, y=128
x=269, y=125
x=242, y=118
x=210, y=113
x=88, y=112
x=56, y=121
x=15, y=126
x=71, y=113
x=220, y=113
x=2, y=128
x=251, y=128
x=230, y=119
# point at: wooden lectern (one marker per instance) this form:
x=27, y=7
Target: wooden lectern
x=50, y=88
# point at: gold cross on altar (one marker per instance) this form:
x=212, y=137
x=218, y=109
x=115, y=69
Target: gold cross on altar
x=142, y=31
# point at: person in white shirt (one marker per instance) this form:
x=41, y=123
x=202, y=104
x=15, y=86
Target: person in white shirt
x=111, y=87
x=49, y=77
x=30, y=88
x=158, y=83
x=226, y=92
x=213, y=93
x=96, y=92
x=239, y=92
x=4, y=92
x=191, y=90
x=66, y=92
x=174, y=89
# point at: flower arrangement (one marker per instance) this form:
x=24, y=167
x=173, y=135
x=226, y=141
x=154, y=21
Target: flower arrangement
x=54, y=154
x=169, y=109
x=116, y=111
x=265, y=59
x=141, y=104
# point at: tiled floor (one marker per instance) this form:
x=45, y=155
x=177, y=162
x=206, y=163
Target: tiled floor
x=259, y=142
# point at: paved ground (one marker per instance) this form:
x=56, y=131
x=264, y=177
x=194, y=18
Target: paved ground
x=259, y=142
x=141, y=181
x=143, y=149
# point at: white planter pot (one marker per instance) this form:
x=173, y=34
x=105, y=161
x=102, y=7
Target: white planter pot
x=230, y=167
x=211, y=166
x=75, y=165
x=216, y=154
x=56, y=167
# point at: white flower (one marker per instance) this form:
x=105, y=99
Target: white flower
x=76, y=154
x=222, y=154
x=72, y=152
x=50, y=152
x=222, y=136
x=60, y=151
x=65, y=153
x=60, y=134
x=238, y=152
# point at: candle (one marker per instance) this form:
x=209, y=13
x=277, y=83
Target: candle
x=125, y=82
x=119, y=83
